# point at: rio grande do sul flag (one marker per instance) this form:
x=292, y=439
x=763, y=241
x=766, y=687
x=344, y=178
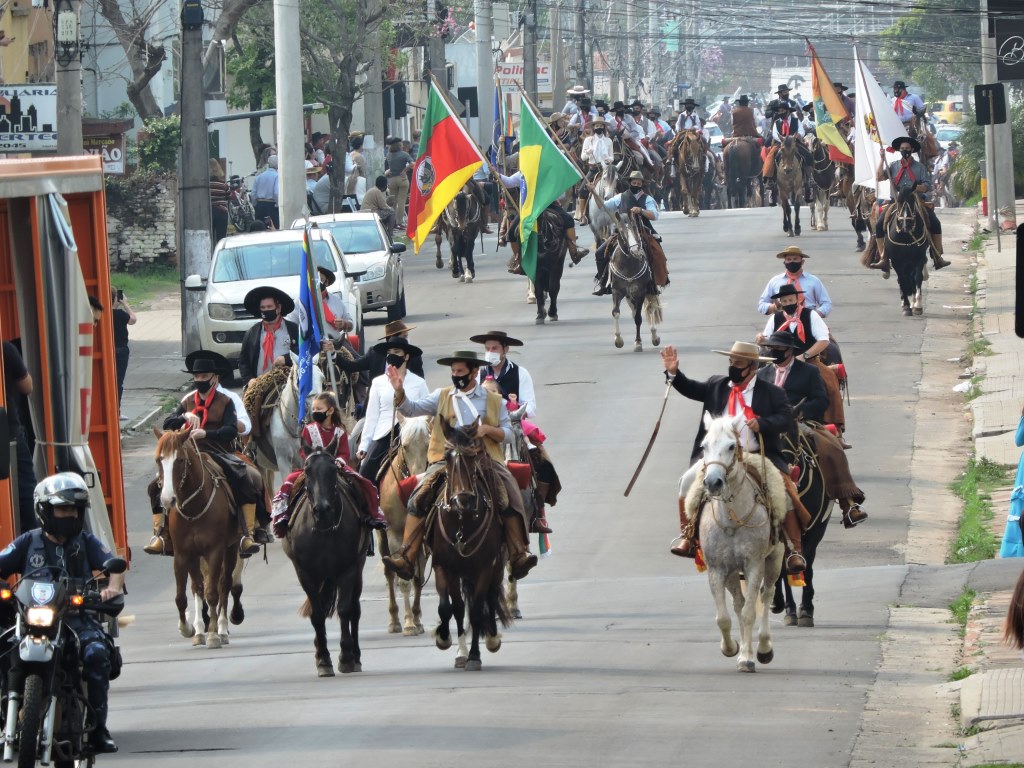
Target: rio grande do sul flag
x=448, y=159
x=828, y=110
x=547, y=173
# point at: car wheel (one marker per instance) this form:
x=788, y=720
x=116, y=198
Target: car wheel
x=397, y=310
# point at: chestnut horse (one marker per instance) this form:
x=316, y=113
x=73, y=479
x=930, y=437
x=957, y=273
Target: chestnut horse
x=204, y=533
x=466, y=542
x=789, y=176
x=690, y=158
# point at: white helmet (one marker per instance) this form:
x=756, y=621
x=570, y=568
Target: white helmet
x=62, y=489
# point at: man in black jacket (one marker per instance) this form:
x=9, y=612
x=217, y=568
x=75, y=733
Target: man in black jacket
x=268, y=342
x=768, y=415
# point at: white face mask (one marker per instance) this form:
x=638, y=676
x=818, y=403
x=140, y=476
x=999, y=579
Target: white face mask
x=492, y=358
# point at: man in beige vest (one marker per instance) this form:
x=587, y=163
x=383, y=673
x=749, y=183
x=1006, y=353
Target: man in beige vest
x=462, y=404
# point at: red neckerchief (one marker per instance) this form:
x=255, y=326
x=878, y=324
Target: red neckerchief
x=787, y=321
x=899, y=106
x=203, y=407
x=268, y=343
x=793, y=279
x=904, y=168
x=328, y=315
x=785, y=127
x=736, y=400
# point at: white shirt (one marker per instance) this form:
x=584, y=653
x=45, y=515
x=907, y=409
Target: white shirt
x=777, y=134
x=338, y=308
x=598, y=149
x=526, y=396
x=577, y=118
x=615, y=203
x=631, y=129
x=909, y=101
x=688, y=120
x=666, y=129
x=240, y=413
x=380, y=405
x=818, y=328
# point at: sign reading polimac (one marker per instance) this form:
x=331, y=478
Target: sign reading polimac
x=28, y=118
x=511, y=72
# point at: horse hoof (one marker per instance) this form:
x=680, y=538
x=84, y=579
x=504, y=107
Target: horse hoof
x=730, y=652
x=419, y=629
x=349, y=667
x=618, y=343
x=438, y=263
x=745, y=666
x=462, y=278
x=516, y=613
x=531, y=299
x=553, y=317
x=638, y=347
x=460, y=662
x=408, y=631
x=859, y=247
x=198, y=640
x=443, y=643
x=806, y=619
x=656, y=341
x=493, y=643
x=474, y=665
x=918, y=310
x=908, y=312
x=539, y=320
x=789, y=619
x=394, y=629
x=765, y=658
x=225, y=640
x=186, y=630
x=324, y=670
x=237, y=615
x=469, y=276
x=213, y=642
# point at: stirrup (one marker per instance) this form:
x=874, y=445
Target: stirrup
x=685, y=548
x=399, y=564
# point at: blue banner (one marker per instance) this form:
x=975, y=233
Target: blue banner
x=309, y=327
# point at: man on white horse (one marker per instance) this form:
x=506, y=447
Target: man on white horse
x=598, y=152
x=269, y=341
x=768, y=418
x=462, y=404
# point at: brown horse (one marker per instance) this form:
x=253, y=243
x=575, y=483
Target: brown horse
x=789, y=176
x=823, y=174
x=742, y=171
x=410, y=459
x=690, y=156
x=463, y=220
x=204, y=533
x=466, y=542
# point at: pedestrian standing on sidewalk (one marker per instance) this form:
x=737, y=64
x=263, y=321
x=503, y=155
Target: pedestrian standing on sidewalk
x=1013, y=545
x=219, y=194
x=398, y=163
x=265, y=192
x=123, y=316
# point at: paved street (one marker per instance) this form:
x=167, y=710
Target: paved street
x=616, y=661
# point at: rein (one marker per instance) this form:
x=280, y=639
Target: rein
x=759, y=493
x=217, y=480
x=478, y=537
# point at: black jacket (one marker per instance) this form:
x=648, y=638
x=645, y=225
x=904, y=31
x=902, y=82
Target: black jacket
x=769, y=402
x=248, y=359
x=803, y=383
x=373, y=362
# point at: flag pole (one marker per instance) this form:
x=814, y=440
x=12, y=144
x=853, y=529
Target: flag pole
x=318, y=307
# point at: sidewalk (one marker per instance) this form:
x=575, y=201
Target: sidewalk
x=992, y=698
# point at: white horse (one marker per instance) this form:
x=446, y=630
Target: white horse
x=601, y=221
x=740, y=532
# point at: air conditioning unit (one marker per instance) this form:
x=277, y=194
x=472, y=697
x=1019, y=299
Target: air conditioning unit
x=20, y=8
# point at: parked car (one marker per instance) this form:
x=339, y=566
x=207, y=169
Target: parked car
x=243, y=262
x=947, y=133
x=368, y=249
x=951, y=111
x=715, y=136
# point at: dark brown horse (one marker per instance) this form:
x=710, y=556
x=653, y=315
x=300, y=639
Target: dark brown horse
x=906, y=245
x=690, y=158
x=466, y=543
x=742, y=159
x=858, y=202
x=204, y=534
x=551, y=245
x=789, y=176
x=327, y=545
x=823, y=176
x=462, y=222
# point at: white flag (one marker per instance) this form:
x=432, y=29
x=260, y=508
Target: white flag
x=877, y=127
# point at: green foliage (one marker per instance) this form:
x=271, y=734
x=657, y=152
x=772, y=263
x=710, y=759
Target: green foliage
x=961, y=607
x=974, y=540
x=149, y=281
x=122, y=111
x=159, y=142
x=935, y=49
x=966, y=172
x=960, y=673
x=250, y=61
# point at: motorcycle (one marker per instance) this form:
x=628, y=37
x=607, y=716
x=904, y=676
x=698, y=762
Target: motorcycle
x=44, y=709
x=241, y=213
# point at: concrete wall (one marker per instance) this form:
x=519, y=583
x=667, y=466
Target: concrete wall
x=142, y=223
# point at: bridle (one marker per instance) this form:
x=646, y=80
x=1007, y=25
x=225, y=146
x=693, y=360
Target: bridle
x=184, y=455
x=461, y=469
x=723, y=501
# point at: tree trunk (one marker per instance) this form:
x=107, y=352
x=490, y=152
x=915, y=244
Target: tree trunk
x=341, y=121
x=226, y=24
x=255, y=137
x=144, y=59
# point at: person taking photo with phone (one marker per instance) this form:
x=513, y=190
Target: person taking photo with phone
x=123, y=316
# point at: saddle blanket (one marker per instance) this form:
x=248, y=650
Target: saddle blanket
x=773, y=482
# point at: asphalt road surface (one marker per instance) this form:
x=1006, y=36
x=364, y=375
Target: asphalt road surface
x=616, y=661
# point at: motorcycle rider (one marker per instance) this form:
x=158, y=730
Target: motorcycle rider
x=61, y=506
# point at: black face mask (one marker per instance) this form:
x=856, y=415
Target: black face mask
x=270, y=315
x=906, y=153
x=599, y=131
x=396, y=360
x=780, y=355
x=461, y=382
x=636, y=190
x=620, y=115
x=202, y=387
x=323, y=287
x=793, y=268
x=319, y=416
x=737, y=375
x=64, y=527
x=789, y=309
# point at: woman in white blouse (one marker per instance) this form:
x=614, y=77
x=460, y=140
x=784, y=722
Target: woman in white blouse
x=380, y=406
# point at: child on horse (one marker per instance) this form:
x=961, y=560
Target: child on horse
x=325, y=428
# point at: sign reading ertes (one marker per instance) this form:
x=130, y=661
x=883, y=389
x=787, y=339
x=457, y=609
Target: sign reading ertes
x=28, y=118
x=511, y=72
x=110, y=148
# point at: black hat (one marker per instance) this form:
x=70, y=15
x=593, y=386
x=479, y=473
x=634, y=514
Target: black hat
x=913, y=143
x=501, y=336
x=328, y=276
x=782, y=88
x=772, y=105
x=655, y=111
x=743, y=100
x=398, y=343
x=472, y=359
x=898, y=84
x=599, y=103
x=207, y=361
x=689, y=102
x=636, y=104
x=617, y=106
x=787, y=290
x=783, y=339
x=256, y=295
x=838, y=86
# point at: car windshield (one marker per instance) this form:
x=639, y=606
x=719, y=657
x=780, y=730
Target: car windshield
x=354, y=237
x=714, y=129
x=258, y=261
x=947, y=134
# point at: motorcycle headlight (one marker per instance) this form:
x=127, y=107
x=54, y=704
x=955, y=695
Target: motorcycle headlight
x=40, y=616
x=221, y=312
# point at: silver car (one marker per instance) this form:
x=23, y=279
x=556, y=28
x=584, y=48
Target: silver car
x=372, y=255
x=243, y=262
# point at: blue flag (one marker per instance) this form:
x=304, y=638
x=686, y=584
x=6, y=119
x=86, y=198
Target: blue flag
x=309, y=323
x=497, y=129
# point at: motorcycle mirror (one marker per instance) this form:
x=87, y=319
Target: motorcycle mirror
x=115, y=565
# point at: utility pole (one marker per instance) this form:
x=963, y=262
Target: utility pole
x=373, y=93
x=582, y=68
x=654, y=72
x=194, y=174
x=290, y=132
x=68, y=56
x=558, y=57
x=998, y=141
x=629, y=76
x=434, y=48
x=530, y=50
x=484, y=70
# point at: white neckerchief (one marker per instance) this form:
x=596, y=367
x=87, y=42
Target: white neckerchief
x=459, y=396
x=314, y=435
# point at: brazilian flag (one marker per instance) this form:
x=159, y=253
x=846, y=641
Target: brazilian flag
x=547, y=173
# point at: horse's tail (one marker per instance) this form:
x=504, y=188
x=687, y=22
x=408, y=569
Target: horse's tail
x=652, y=309
x=1013, y=631
x=327, y=595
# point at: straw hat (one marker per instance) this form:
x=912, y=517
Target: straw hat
x=745, y=351
x=792, y=250
x=500, y=336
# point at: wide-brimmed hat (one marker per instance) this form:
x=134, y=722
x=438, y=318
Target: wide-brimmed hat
x=895, y=146
x=636, y=103
x=328, y=276
x=787, y=289
x=396, y=327
x=598, y=121
x=689, y=102
x=598, y=103
x=504, y=338
x=635, y=176
x=838, y=86
x=578, y=90
x=746, y=351
x=207, y=361
x=470, y=358
x=555, y=117
x=782, y=88
x=655, y=111
x=743, y=100
x=617, y=106
x=783, y=339
x=898, y=84
x=792, y=250
x=410, y=349
x=256, y=295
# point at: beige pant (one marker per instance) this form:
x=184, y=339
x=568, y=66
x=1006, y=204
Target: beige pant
x=398, y=188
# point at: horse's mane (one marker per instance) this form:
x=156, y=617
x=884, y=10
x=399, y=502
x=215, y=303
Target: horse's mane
x=169, y=442
x=415, y=429
x=762, y=467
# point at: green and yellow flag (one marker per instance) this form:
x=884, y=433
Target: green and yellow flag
x=828, y=110
x=547, y=173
